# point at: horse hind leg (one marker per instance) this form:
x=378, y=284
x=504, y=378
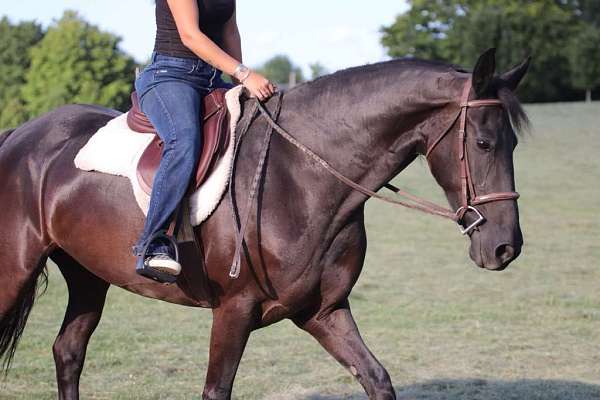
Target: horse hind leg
x=21, y=269
x=87, y=294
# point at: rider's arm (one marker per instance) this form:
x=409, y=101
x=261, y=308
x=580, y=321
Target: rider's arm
x=186, y=15
x=232, y=43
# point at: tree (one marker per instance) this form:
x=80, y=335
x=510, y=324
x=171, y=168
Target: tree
x=540, y=28
x=317, y=69
x=279, y=68
x=585, y=60
x=423, y=30
x=15, y=59
x=75, y=62
x=458, y=31
x=587, y=10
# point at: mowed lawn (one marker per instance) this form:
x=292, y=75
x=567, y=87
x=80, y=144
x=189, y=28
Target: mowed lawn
x=443, y=328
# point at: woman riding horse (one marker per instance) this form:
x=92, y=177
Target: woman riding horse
x=306, y=241
x=196, y=40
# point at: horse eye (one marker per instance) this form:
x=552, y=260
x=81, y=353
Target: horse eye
x=484, y=144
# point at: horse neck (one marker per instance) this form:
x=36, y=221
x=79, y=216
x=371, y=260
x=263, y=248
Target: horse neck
x=369, y=129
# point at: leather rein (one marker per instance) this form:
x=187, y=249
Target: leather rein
x=469, y=198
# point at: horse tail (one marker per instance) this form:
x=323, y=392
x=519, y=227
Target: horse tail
x=5, y=134
x=12, y=323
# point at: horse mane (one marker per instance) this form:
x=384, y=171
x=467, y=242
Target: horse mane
x=512, y=105
x=5, y=134
x=510, y=101
x=382, y=67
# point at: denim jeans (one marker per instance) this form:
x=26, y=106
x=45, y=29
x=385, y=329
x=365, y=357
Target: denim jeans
x=170, y=91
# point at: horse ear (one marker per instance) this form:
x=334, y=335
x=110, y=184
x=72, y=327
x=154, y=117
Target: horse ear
x=516, y=74
x=484, y=71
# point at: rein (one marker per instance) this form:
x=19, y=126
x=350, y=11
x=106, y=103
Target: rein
x=469, y=197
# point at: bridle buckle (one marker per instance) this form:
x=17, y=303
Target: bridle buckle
x=460, y=213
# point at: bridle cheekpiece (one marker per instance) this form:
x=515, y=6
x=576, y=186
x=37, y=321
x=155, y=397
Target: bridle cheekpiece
x=469, y=198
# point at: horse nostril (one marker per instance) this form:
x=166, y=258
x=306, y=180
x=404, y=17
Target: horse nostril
x=505, y=253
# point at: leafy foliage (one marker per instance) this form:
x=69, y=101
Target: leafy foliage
x=14, y=62
x=457, y=31
x=588, y=10
x=585, y=59
x=317, y=69
x=76, y=62
x=423, y=30
x=279, y=68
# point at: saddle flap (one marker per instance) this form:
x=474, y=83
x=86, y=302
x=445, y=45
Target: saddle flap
x=215, y=141
x=148, y=164
x=216, y=132
x=136, y=119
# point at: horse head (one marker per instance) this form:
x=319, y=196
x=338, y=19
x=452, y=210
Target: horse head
x=476, y=170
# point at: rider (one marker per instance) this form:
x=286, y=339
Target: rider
x=196, y=40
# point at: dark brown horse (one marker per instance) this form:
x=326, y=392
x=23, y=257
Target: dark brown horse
x=306, y=243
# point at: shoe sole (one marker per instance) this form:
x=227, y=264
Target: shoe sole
x=165, y=267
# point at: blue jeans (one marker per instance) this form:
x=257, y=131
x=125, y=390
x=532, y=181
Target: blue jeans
x=170, y=91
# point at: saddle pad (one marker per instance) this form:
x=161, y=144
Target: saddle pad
x=116, y=149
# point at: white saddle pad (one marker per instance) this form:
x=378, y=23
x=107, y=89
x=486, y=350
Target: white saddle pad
x=115, y=149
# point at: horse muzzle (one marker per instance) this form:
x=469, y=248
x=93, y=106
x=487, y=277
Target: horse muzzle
x=494, y=258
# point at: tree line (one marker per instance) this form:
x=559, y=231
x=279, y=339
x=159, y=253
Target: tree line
x=562, y=36
x=70, y=62
x=73, y=61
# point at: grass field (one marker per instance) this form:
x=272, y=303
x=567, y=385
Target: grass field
x=443, y=328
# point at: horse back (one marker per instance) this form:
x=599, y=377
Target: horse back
x=67, y=125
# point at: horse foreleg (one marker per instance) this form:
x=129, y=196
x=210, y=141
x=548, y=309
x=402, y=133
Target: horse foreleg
x=338, y=334
x=232, y=324
x=87, y=294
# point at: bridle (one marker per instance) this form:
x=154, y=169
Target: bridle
x=469, y=200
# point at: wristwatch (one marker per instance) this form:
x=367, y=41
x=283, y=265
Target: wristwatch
x=241, y=73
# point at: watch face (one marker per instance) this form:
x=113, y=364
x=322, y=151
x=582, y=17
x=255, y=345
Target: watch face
x=242, y=72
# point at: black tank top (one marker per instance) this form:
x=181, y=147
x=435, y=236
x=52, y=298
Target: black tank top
x=213, y=14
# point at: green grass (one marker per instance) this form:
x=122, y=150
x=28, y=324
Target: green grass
x=443, y=328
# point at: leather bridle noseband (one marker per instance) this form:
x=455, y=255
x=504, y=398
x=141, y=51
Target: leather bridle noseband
x=469, y=200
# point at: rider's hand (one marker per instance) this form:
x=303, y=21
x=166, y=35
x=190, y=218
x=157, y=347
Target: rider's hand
x=259, y=86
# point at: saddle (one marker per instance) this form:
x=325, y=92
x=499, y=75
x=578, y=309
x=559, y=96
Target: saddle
x=215, y=141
